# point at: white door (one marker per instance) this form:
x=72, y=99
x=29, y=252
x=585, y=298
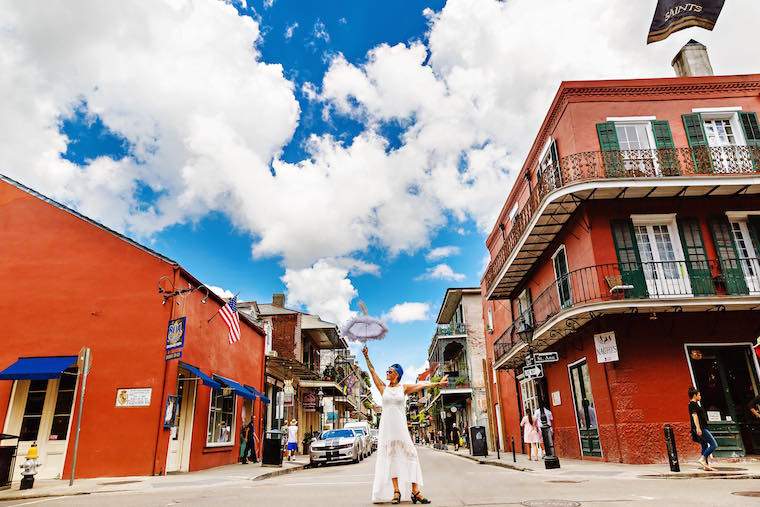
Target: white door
x=178, y=457
x=662, y=259
x=747, y=255
x=637, y=148
x=723, y=136
x=502, y=445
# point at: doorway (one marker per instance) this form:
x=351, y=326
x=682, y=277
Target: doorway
x=585, y=409
x=181, y=432
x=662, y=259
x=727, y=377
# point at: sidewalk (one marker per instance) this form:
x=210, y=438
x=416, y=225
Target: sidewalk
x=575, y=468
x=227, y=474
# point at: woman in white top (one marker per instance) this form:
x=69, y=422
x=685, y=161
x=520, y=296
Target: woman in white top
x=292, y=439
x=397, y=467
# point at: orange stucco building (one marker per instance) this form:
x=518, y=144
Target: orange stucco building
x=629, y=246
x=68, y=283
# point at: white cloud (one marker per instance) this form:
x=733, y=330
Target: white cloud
x=221, y=292
x=320, y=31
x=268, y=3
x=323, y=289
x=290, y=29
x=441, y=272
x=407, y=312
x=442, y=252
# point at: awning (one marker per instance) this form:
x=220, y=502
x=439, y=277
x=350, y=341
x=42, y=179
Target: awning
x=258, y=393
x=37, y=368
x=202, y=376
x=237, y=387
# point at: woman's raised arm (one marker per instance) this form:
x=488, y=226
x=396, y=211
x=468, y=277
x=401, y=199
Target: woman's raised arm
x=413, y=388
x=375, y=377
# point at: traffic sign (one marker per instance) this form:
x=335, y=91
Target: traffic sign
x=536, y=371
x=546, y=357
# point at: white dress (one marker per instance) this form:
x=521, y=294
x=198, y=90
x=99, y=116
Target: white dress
x=396, y=454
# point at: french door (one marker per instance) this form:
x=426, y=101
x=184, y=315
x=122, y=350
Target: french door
x=662, y=260
x=747, y=255
x=721, y=136
x=562, y=276
x=585, y=409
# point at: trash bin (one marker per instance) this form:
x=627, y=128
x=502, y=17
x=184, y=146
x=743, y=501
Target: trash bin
x=7, y=459
x=478, y=442
x=272, y=451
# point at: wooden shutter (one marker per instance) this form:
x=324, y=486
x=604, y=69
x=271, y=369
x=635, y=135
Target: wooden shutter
x=753, y=224
x=629, y=261
x=696, y=258
x=667, y=157
x=752, y=135
x=731, y=269
x=608, y=142
x=700, y=149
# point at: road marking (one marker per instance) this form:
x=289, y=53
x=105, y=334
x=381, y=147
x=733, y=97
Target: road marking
x=312, y=484
x=37, y=501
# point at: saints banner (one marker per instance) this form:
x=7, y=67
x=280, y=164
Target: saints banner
x=673, y=15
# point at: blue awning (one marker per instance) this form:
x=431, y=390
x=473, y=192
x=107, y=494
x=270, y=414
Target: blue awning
x=237, y=387
x=198, y=373
x=258, y=394
x=37, y=368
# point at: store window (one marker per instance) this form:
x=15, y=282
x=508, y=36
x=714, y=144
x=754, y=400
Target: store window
x=63, y=403
x=35, y=402
x=221, y=418
x=529, y=396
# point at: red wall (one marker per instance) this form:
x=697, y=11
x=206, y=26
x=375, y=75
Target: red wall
x=69, y=284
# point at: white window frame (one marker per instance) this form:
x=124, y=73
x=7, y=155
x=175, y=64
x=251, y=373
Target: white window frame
x=267, y=337
x=646, y=121
x=529, y=401
x=730, y=114
x=546, y=152
x=489, y=323
x=524, y=295
x=669, y=220
x=513, y=213
x=556, y=276
x=234, y=420
x=741, y=217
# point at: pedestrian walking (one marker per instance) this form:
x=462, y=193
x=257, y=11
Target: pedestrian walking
x=243, y=445
x=699, y=431
x=292, y=439
x=251, y=440
x=539, y=423
x=455, y=436
x=397, y=467
x=531, y=435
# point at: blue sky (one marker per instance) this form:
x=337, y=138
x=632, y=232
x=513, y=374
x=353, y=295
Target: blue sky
x=324, y=149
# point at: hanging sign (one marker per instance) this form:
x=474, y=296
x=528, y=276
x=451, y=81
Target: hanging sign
x=674, y=15
x=309, y=401
x=606, y=347
x=289, y=389
x=139, y=397
x=542, y=357
x=531, y=372
x=175, y=338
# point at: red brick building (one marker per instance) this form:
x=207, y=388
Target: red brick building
x=68, y=283
x=629, y=245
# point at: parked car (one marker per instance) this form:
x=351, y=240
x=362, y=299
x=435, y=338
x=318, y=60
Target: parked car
x=364, y=427
x=334, y=446
x=366, y=441
x=373, y=433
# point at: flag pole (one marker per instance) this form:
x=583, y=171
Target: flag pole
x=217, y=312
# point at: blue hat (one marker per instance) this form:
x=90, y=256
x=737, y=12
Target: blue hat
x=399, y=370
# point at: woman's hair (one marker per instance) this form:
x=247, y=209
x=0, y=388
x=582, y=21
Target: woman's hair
x=530, y=416
x=399, y=370
x=693, y=391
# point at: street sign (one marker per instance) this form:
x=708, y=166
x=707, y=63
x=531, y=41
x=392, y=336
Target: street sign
x=546, y=357
x=530, y=372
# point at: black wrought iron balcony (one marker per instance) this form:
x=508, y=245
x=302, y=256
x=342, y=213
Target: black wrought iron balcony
x=629, y=282
x=623, y=164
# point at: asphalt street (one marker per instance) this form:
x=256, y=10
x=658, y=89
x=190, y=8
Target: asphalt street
x=449, y=481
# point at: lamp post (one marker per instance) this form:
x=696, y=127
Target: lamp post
x=320, y=396
x=550, y=459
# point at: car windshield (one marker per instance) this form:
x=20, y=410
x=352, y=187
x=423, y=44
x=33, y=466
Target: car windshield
x=359, y=431
x=337, y=434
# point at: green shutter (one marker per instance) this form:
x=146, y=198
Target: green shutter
x=667, y=156
x=608, y=142
x=700, y=149
x=730, y=266
x=753, y=224
x=752, y=135
x=629, y=262
x=696, y=258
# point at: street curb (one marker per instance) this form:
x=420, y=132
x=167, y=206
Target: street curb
x=485, y=461
x=275, y=473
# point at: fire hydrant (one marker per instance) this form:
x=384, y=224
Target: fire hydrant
x=29, y=467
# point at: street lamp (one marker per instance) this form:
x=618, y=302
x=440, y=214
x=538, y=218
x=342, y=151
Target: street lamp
x=321, y=395
x=550, y=459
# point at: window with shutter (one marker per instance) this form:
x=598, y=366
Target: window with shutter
x=667, y=156
x=751, y=130
x=731, y=271
x=700, y=150
x=608, y=142
x=629, y=263
x=696, y=258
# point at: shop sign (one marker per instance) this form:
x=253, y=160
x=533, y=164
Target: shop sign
x=170, y=414
x=309, y=401
x=137, y=397
x=289, y=389
x=606, y=347
x=287, y=400
x=713, y=416
x=175, y=338
x=556, y=399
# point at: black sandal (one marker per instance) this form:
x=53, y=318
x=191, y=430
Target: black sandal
x=396, y=497
x=416, y=497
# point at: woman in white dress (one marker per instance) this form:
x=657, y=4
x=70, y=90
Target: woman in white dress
x=397, y=468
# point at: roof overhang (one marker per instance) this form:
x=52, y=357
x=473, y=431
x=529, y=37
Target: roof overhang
x=450, y=302
x=568, y=321
x=283, y=368
x=558, y=206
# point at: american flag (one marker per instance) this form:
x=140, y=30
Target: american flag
x=230, y=316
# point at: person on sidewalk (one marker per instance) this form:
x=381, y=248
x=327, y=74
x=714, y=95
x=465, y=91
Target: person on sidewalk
x=455, y=436
x=251, y=441
x=699, y=431
x=292, y=439
x=243, y=445
x=531, y=435
x=549, y=424
x=754, y=408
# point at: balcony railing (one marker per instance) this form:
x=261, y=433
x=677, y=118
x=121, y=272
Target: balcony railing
x=640, y=280
x=594, y=165
x=450, y=329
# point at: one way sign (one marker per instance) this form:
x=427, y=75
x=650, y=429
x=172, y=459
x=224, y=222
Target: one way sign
x=536, y=371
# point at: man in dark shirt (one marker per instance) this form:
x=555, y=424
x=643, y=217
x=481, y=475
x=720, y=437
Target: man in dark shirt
x=754, y=407
x=699, y=431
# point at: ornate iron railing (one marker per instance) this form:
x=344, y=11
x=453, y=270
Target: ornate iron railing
x=640, y=280
x=595, y=165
